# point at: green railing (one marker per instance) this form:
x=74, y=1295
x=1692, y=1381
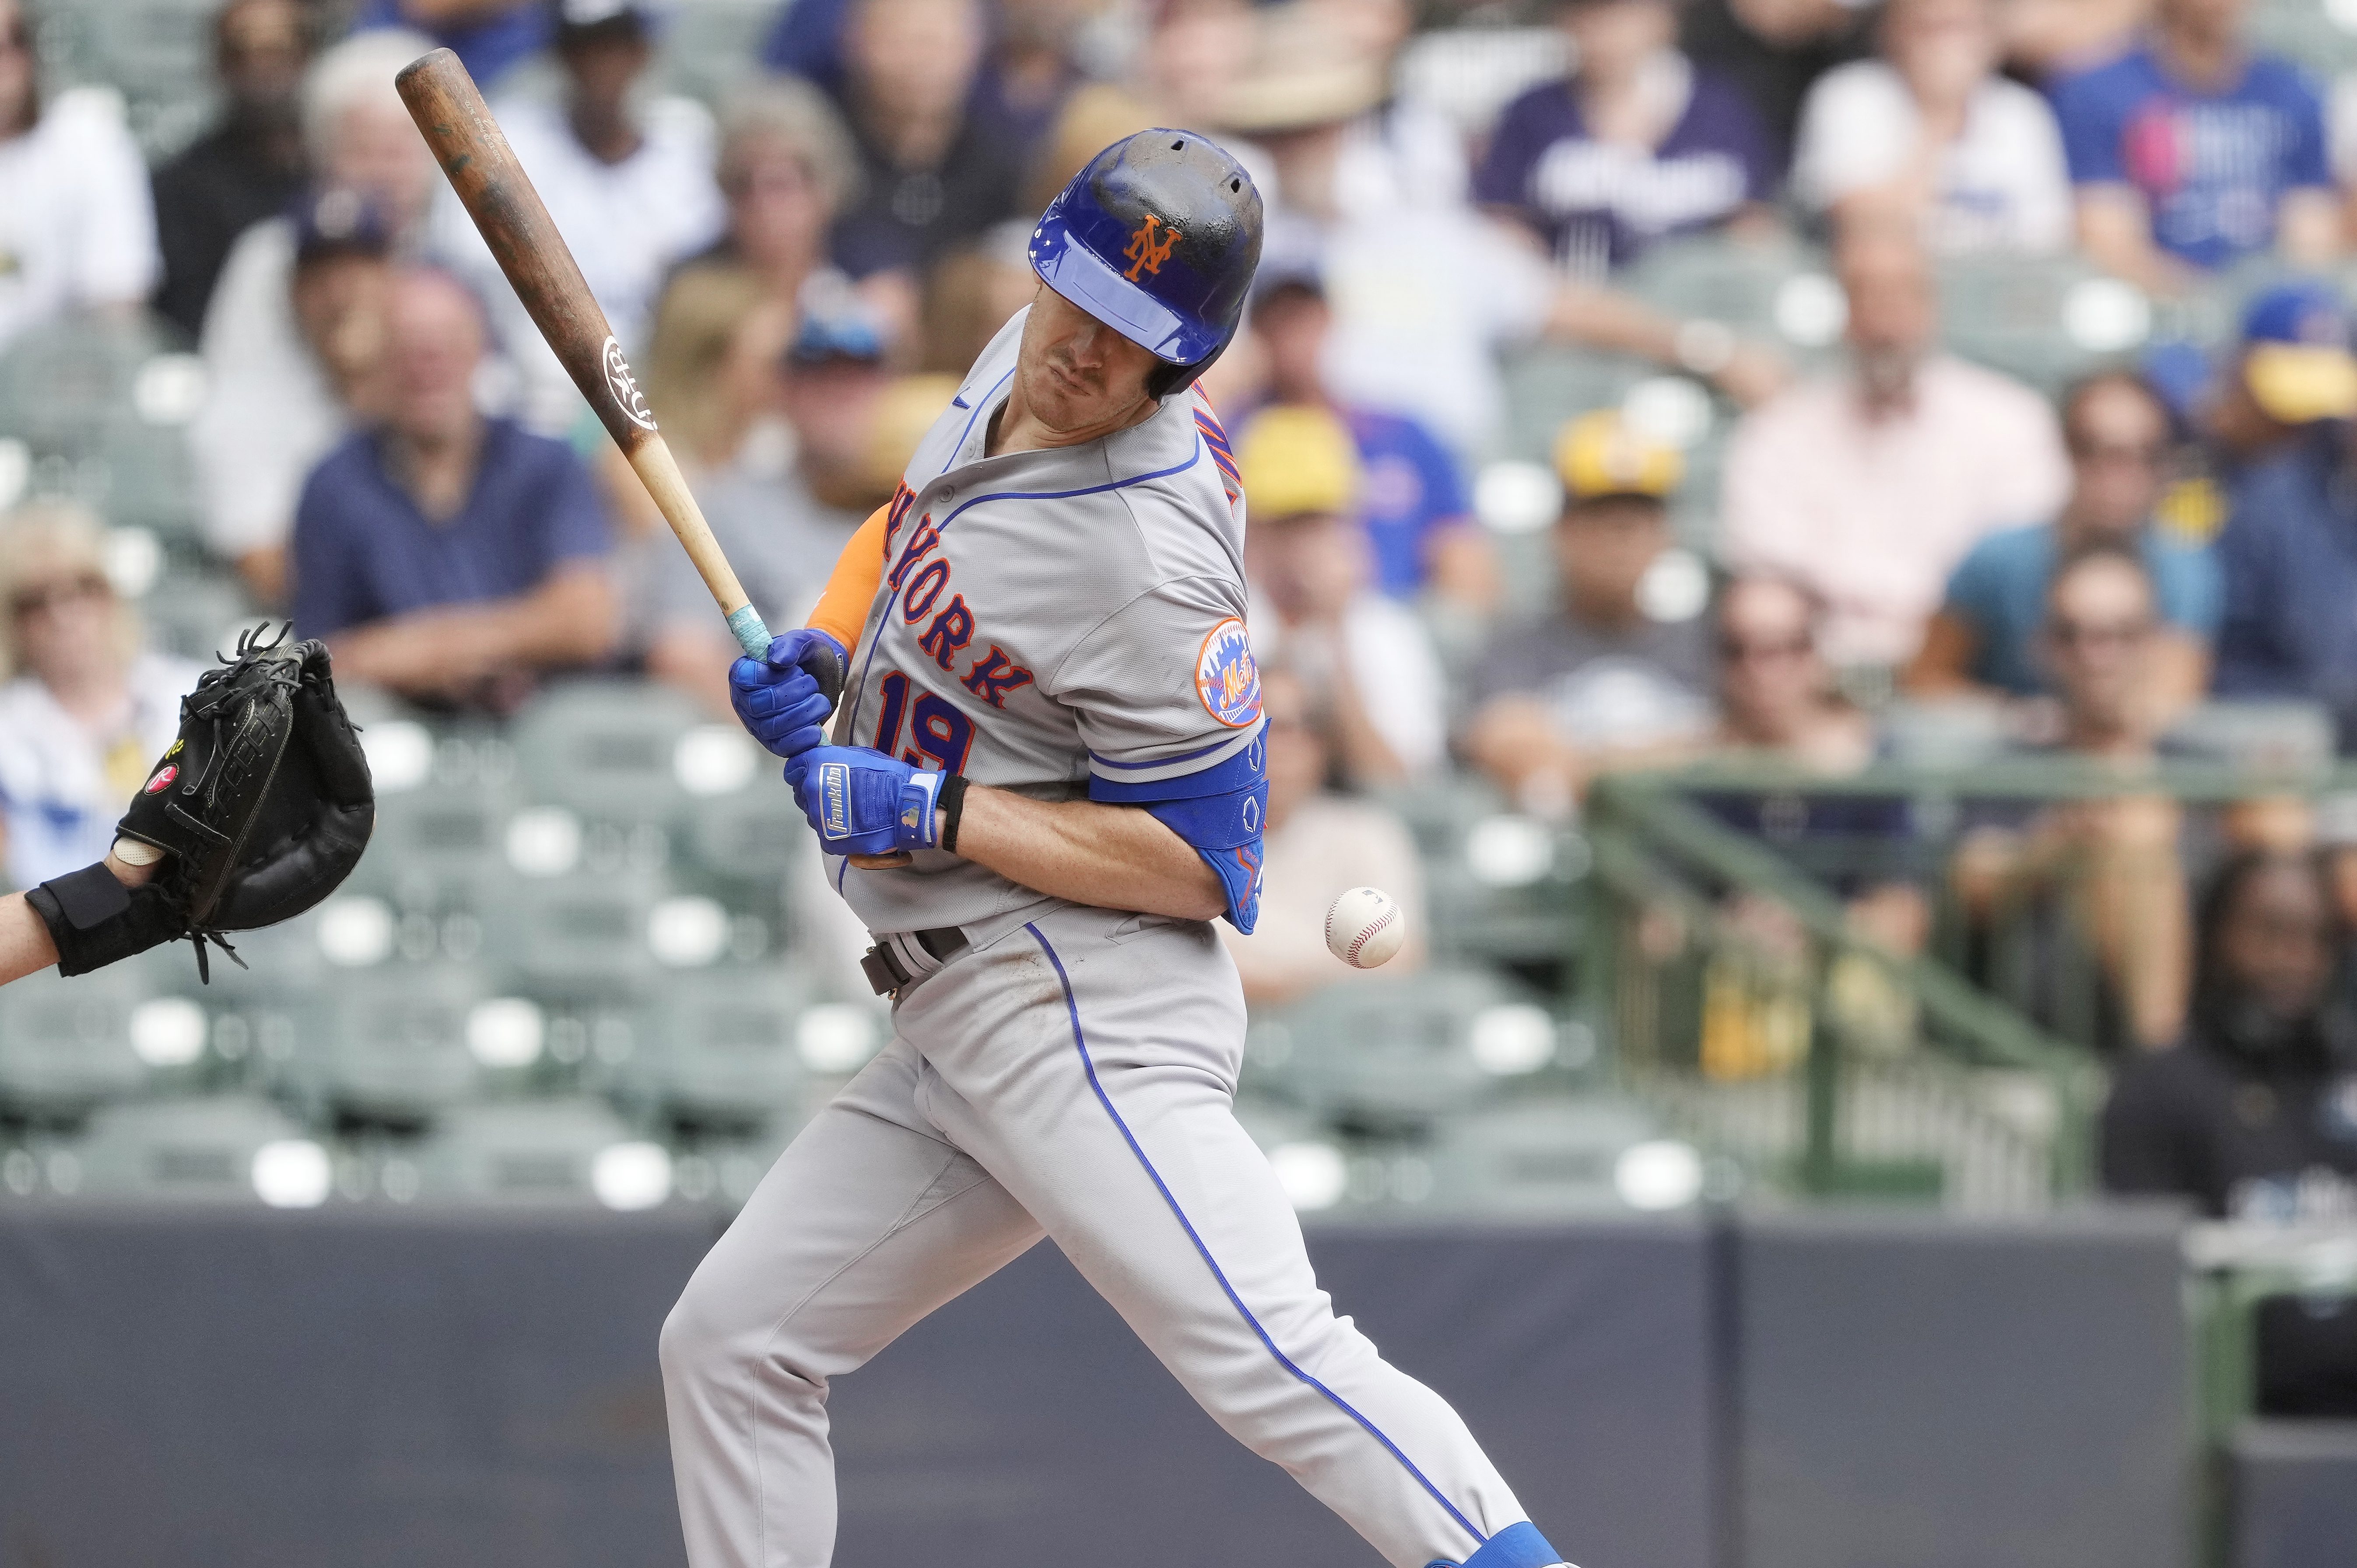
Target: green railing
x=1835, y=1063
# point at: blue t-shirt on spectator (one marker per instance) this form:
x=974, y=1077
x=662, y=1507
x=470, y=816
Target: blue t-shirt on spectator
x=362, y=551
x=1599, y=204
x=1999, y=590
x=1409, y=487
x=2211, y=165
x=2288, y=557
x=489, y=47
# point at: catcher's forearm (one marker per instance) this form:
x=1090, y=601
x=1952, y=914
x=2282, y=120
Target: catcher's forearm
x=25, y=944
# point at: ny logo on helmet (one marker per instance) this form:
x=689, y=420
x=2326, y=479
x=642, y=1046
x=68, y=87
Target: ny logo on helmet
x=1146, y=252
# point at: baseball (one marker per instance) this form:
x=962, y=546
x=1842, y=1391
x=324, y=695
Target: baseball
x=1364, y=927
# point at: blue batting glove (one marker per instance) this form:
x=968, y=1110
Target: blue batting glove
x=863, y=801
x=783, y=698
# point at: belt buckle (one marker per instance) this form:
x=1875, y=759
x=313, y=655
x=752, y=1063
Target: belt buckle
x=883, y=969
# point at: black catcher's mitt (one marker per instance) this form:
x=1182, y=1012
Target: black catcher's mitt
x=263, y=806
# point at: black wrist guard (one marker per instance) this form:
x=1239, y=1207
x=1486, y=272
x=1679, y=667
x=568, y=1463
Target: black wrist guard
x=94, y=919
x=952, y=802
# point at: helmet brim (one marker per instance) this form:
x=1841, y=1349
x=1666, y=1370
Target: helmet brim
x=1074, y=271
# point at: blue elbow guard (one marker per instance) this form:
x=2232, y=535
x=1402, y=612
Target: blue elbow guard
x=1219, y=811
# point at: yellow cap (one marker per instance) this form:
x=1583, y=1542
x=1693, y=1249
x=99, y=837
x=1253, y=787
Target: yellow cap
x=2299, y=383
x=1601, y=454
x=1295, y=460
x=904, y=412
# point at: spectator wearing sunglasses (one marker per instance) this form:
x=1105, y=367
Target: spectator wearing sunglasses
x=84, y=710
x=2103, y=876
x=1984, y=639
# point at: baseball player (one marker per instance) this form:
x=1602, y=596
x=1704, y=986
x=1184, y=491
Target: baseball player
x=1043, y=780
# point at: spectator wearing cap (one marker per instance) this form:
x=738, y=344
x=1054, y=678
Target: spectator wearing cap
x=273, y=405
x=490, y=37
x=2288, y=552
x=451, y=557
x=1984, y=639
x=766, y=416
x=1365, y=656
x=1596, y=682
x=1321, y=842
x=1869, y=485
x=933, y=176
x=336, y=294
x=1931, y=134
x=631, y=190
x=1637, y=145
x=84, y=708
x=2293, y=370
x=2104, y=876
x=1426, y=289
x=77, y=230
x=249, y=167
x=2191, y=151
x=1413, y=506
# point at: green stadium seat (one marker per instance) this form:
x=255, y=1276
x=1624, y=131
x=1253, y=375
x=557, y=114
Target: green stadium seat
x=1536, y=1159
x=724, y=1170
x=390, y=1044
x=582, y=934
x=720, y=1048
x=66, y=1045
x=572, y=1152
x=1502, y=886
x=225, y=1150
x=2045, y=319
x=1385, y=1052
x=607, y=749
x=711, y=46
x=1546, y=386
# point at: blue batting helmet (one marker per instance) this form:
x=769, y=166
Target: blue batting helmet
x=1158, y=239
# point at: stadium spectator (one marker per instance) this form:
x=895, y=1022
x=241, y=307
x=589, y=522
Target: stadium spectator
x=1596, y=682
x=249, y=167
x=1984, y=639
x=85, y=710
x=490, y=37
x=1930, y=134
x=715, y=368
x=2289, y=554
x=2103, y=876
x=1414, y=507
x=1426, y=290
x=76, y=227
x=1363, y=656
x=630, y=189
x=786, y=167
x=1774, y=51
x=2191, y=151
x=1319, y=844
x=273, y=404
x=1776, y=695
x=2293, y=370
x=1869, y=485
x=448, y=556
x=1637, y=145
x=2248, y=1113
x=933, y=176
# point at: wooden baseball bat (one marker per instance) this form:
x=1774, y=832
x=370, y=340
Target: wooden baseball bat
x=482, y=168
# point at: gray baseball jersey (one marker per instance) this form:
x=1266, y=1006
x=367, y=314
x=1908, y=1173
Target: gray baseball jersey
x=1047, y=615
x=1044, y=618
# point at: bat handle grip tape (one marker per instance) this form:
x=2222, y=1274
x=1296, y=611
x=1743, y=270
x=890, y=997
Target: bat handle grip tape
x=752, y=635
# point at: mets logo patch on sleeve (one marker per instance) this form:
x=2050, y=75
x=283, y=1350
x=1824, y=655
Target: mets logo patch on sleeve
x=1225, y=676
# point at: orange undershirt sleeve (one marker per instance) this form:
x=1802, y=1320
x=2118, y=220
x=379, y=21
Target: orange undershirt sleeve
x=842, y=610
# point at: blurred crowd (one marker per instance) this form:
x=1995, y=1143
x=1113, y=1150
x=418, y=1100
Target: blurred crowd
x=387, y=453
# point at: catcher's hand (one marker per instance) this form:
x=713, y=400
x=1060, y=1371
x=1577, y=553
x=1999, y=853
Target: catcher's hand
x=262, y=807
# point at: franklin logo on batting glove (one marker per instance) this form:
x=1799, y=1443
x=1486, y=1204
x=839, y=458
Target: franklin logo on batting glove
x=834, y=791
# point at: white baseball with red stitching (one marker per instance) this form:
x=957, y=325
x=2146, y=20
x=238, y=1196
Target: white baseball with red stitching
x=1364, y=927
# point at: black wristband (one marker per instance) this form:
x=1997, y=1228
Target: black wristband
x=94, y=920
x=950, y=802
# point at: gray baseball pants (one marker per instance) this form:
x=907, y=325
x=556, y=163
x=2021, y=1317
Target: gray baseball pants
x=1072, y=1079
